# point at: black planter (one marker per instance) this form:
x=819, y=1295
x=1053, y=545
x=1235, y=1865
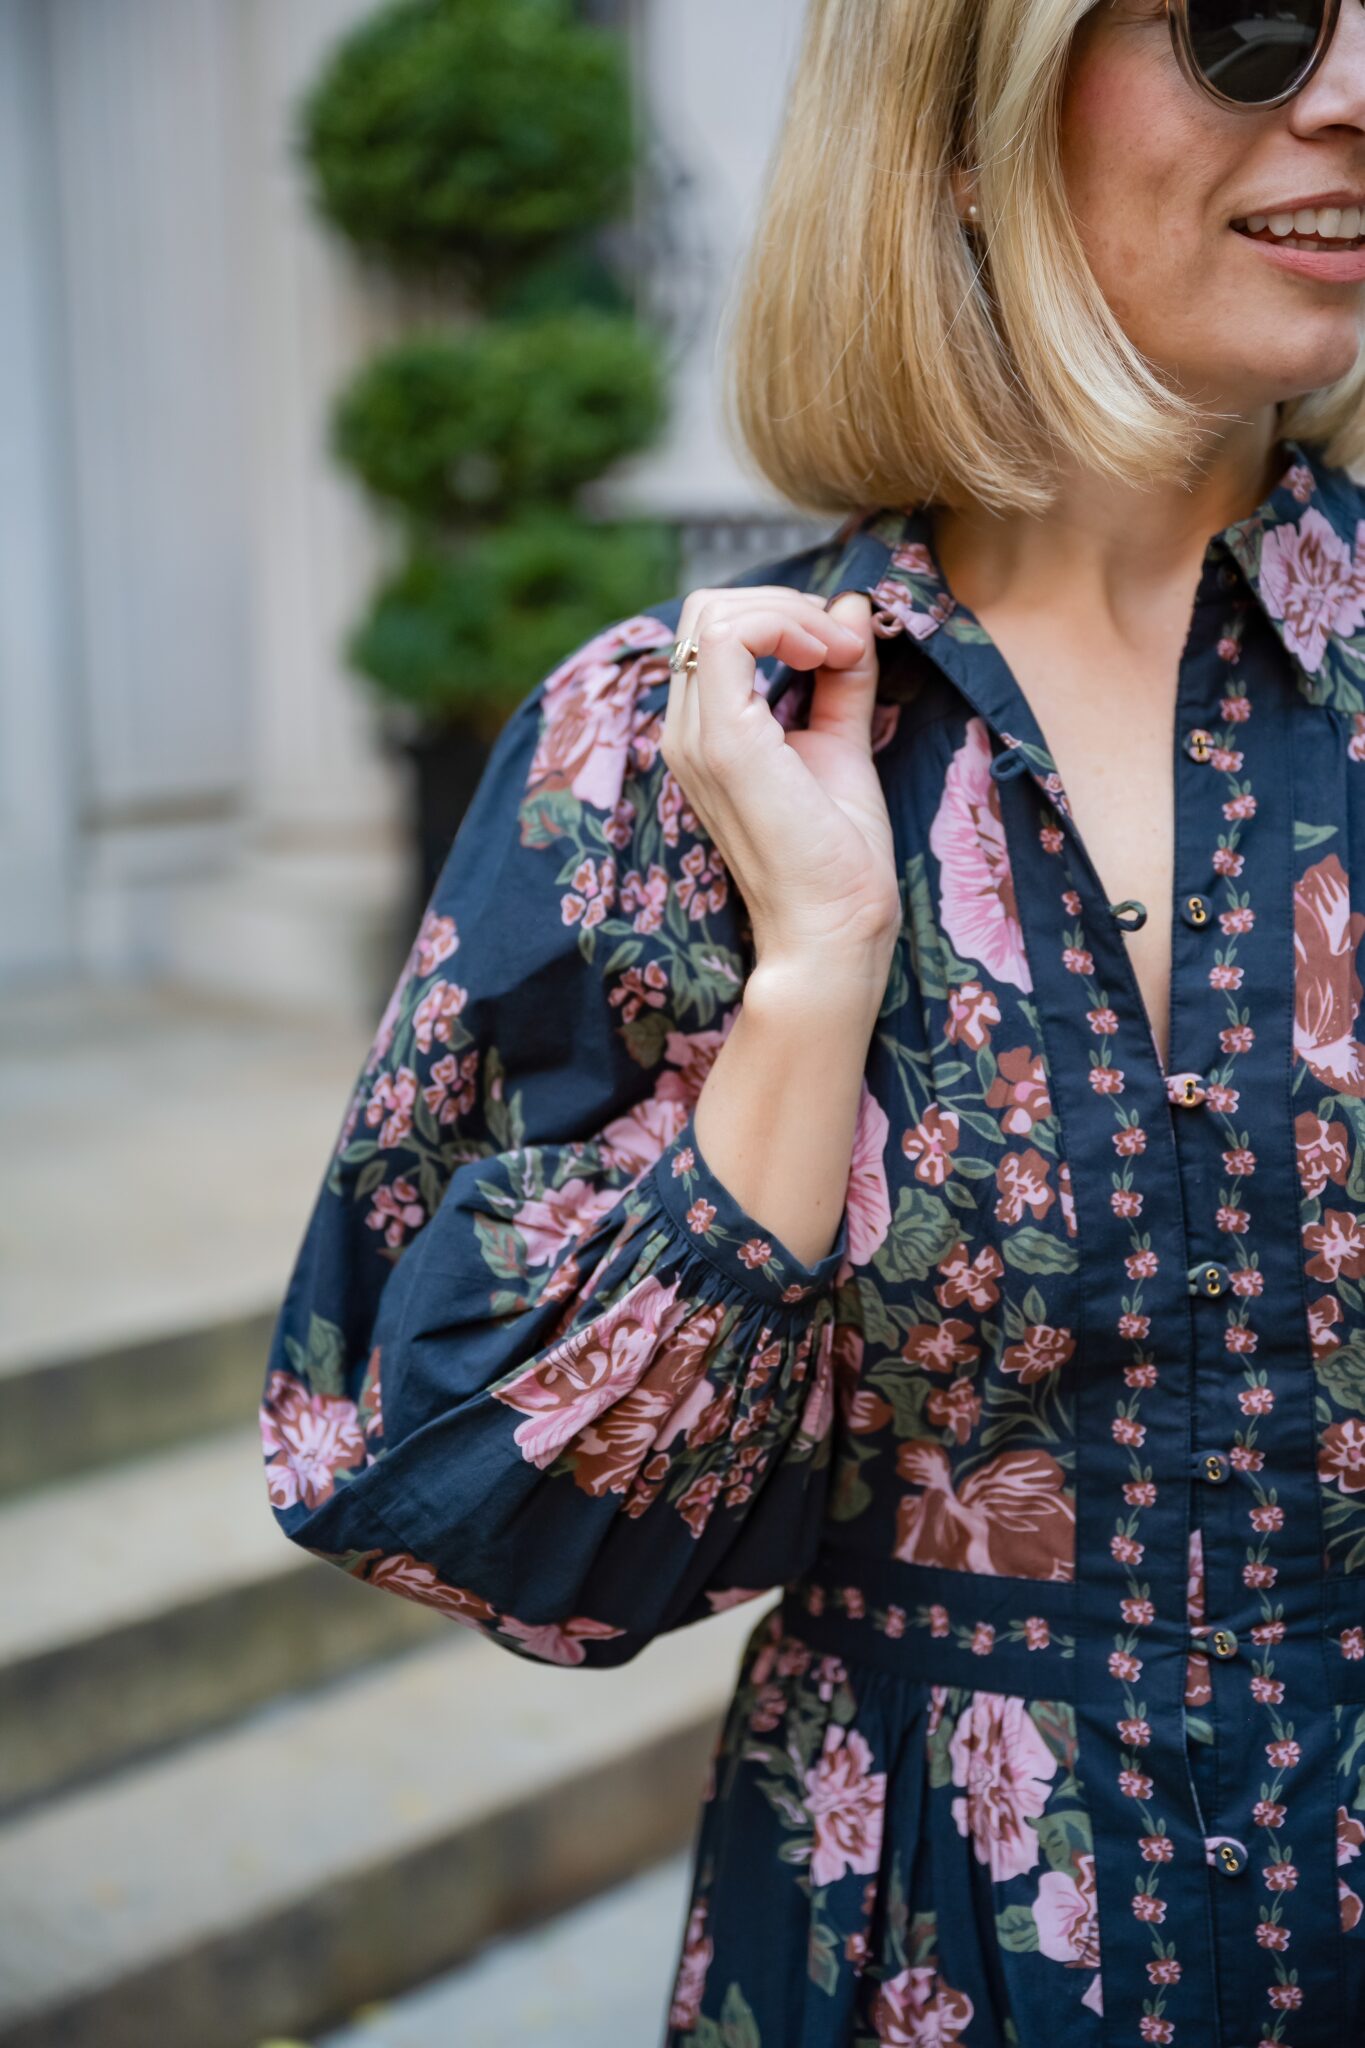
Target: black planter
x=447, y=762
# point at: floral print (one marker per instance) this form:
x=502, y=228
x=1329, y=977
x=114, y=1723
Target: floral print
x=1056, y=1458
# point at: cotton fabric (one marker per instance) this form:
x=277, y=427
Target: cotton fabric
x=1055, y=1736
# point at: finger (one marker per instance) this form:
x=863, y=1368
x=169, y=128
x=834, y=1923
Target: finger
x=843, y=697
x=732, y=642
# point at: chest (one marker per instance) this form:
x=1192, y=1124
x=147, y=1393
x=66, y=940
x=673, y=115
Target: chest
x=1107, y=715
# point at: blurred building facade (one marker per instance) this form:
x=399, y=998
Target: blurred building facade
x=192, y=787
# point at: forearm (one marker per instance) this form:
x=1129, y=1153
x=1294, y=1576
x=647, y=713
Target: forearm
x=776, y=1117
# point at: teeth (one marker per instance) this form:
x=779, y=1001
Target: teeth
x=1328, y=223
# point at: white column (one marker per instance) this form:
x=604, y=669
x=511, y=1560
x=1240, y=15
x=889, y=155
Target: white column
x=711, y=82
x=36, y=696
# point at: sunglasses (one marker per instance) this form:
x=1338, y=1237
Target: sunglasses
x=1251, y=56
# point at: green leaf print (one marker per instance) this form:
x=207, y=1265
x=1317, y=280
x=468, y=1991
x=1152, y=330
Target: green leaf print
x=1033, y=1251
x=935, y=965
x=1342, y=1372
x=738, y=2027
x=1353, y=1110
x=1311, y=835
x=1016, y=1929
x=1062, y=1835
x=822, y=1958
x=923, y=1231
x=905, y=1388
x=320, y=1367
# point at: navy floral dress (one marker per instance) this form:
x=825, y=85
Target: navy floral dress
x=1056, y=1732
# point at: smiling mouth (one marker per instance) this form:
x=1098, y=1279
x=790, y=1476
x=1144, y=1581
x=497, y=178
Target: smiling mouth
x=1312, y=227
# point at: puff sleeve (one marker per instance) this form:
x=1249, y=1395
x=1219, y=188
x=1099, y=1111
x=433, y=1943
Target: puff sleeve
x=535, y=1366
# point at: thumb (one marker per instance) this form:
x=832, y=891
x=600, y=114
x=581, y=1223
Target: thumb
x=843, y=697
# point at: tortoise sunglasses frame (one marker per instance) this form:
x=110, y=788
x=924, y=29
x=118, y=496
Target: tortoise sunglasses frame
x=1178, y=15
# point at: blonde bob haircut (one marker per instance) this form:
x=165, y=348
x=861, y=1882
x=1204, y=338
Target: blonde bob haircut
x=879, y=355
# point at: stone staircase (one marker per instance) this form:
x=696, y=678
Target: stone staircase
x=243, y=1797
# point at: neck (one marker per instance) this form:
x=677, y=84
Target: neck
x=1105, y=550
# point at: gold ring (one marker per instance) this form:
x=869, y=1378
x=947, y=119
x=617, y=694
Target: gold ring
x=683, y=659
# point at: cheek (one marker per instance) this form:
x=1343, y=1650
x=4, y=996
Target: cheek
x=1133, y=168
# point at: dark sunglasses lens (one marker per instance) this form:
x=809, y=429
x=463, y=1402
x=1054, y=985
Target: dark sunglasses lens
x=1254, y=53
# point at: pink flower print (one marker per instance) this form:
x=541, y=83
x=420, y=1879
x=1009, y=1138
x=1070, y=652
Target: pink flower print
x=643, y=901
x=451, y=1092
x=1010, y=1516
x=1311, y=581
x=703, y=885
x=390, y=1106
x=1019, y=1092
x=1337, y=1243
x=866, y=1196
x=589, y=704
x=972, y=1010
x=413, y=1579
x=593, y=894
x=938, y=1347
x=1341, y=1455
x=1021, y=1178
x=436, y=941
x=641, y=988
x=548, y=1223
x=1322, y=1150
x=956, y=1408
x=1327, y=988
x=1066, y=1197
x=1004, y=1767
x=1042, y=1350
x=1353, y=1643
x=931, y=1144
x=1066, y=1916
x=970, y=1280
x=977, y=902
x=395, y=1208
x=1323, y=1316
x=690, y=1982
x=571, y=1384
x=1037, y=1634
x=845, y=1800
x=436, y=1012
x=557, y=1642
x=307, y=1439
x=918, y=2010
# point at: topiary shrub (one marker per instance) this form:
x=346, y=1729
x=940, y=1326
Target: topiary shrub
x=480, y=146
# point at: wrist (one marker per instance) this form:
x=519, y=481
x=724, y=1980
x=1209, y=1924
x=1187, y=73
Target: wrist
x=843, y=983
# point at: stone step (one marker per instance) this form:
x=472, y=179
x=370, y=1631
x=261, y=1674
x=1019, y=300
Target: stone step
x=601, y=1974
x=345, y=1845
x=70, y=1411
x=158, y=1598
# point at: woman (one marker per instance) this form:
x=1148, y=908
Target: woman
x=796, y=1156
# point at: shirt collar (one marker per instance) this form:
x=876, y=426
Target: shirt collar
x=1302, y=553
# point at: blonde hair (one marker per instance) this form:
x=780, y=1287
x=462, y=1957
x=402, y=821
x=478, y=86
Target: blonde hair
x=874, y=357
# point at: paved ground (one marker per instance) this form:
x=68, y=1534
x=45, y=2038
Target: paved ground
x=160, y=1158
x=597, y=1978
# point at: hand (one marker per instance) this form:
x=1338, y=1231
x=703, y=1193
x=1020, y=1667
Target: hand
x=799, y=818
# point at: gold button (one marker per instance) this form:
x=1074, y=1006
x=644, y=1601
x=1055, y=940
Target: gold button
x=1190, y=1093
x=1213, y=1280
x=1231, y=1862
x=1199, y=744
x=1198, y=909
x=1223, y=1643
